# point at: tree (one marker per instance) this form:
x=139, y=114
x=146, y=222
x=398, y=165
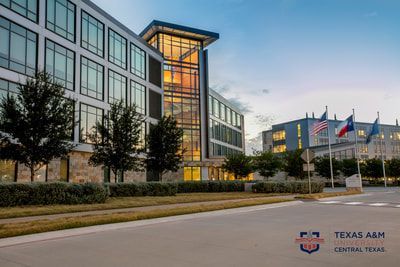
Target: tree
x=164, y=144
x=349, y=167
x=373, y=168
x=323, y=167
x=393, y=167
x=267, y=163
x=239, y=165
x=116, y=140
x=293, y=163
x=36, y=126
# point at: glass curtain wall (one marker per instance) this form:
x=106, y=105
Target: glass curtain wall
x=182, y=90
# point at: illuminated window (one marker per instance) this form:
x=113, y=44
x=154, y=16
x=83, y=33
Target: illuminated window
x=279, y=135
x=361, y=133
x=64, y=170
x=298, y=130
x=279, y=149
x=395, y=136
x=191, y=174
x=300, y=145
x=7, y=171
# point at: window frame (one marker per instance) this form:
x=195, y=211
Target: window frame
x=131, y=96
x=37, y=12
x=80, y=120
x=46, y=16
x=125, y=100
x=80, y=84
x=104, y=48
x=109, y=50
x=131, y=63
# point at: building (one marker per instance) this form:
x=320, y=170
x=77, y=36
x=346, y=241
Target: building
x=96, y=58
x=295, y=135
x=164, y=70
x=187, y=97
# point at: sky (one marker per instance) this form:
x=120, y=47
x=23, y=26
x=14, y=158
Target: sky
x=278, y=59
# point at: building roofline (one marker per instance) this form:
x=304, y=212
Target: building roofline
x=225, y=101
x=119, y=24
x=155, y=26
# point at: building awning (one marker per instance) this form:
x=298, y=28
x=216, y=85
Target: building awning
x=156, y=26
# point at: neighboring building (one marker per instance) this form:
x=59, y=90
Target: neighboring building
x=186, y=98
x=295, y=134
x=97, y=59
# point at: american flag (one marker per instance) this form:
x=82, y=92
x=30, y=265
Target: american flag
x=320, y=125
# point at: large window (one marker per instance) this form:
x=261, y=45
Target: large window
x=61, y=18
x=92, y=34
x=7, y=88
x=60, y=64
x=116, y=87
x=138, y=61
x=116, y=49
x=191, y=174
x=7, y=171
x=88, y=117
x=26, y=8
x=279, y=135
x=92, y=79
x=17, y=48
x=138, y=97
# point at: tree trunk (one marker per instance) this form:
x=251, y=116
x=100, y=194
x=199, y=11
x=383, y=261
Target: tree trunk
x=32, y=168
x=116, y=176
x=160, y=174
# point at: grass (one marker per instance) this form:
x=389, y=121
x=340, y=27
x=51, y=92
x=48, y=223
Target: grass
x=40, y=226
x=327, y=194
x=124, y=202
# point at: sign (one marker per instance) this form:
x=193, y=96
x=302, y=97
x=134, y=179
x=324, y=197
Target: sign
x=309, y=167
x=353, y=181
x=309, y=241
x=311, y=155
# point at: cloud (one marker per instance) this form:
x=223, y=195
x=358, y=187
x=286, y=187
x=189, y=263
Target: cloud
x=265, y=91
x=371, y=14
x=242, y=106
x=221, y=88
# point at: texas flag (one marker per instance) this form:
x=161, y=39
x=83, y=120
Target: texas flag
x=346, y=126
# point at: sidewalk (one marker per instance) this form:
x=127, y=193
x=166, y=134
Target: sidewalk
x=124, y=210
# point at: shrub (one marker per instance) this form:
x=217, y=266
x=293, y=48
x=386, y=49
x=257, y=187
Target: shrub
x=18, y=194
x=287, y=187
x=210, y=186
x=142, y=189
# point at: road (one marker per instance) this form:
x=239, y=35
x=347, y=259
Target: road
x=264, y=237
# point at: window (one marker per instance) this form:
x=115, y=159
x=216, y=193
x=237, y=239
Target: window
x=7, y=88
x=64, y=170
x=26, y=8
x=361, y=133
x=8, y=170
x=88, y=117
x=222, y=111
x=216, y=107
x=395, y=135
x=116, y=49
x=279, y=135
x=60, y=18
x=155, y=71
x=92, y=34
x=279, y=149
x=92, y=79
x=60, y=63
x=138, y=61
x=18, y=48
x=116, y=87
x=155, y=104
x=191, y=174
x=138, y=97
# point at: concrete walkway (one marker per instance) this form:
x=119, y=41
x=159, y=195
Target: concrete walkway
x=135, y=209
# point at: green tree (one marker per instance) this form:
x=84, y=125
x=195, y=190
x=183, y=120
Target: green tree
x=293, y=163
x=323, y=167
x=373, y=168
x=239, y=165
x=349, y=167
x=267, y=163
x=36, y=126
x=164, y=144
x=116, y=140
x=393, y=167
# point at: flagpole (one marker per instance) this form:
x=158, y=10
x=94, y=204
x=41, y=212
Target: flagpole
x=356, y=150
x=329, y=145
x=383, y=160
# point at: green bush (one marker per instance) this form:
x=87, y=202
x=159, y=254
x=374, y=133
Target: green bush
x=287, y=187
x=210, y=186
x=142, y=189
x=18, y=194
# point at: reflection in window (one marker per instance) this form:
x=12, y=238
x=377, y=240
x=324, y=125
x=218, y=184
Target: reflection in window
x=60, y=63
x=89, y=116
x=116, y=49
x=138, y=97
x=92, y=77
x=138, y=61
x=61, y=18
x=26, y=8
x=8, y=88
x=17, y=48
x=92, y=34
x=116, y=87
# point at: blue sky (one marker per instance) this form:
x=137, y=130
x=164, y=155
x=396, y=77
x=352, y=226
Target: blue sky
x=282, y=58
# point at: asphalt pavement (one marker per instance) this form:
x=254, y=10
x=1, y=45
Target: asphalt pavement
x=360, y=230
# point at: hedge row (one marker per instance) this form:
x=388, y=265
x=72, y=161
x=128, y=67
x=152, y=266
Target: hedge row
x=288, y=187
x=17, y=194
x=142, y=189
x=210, y=186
